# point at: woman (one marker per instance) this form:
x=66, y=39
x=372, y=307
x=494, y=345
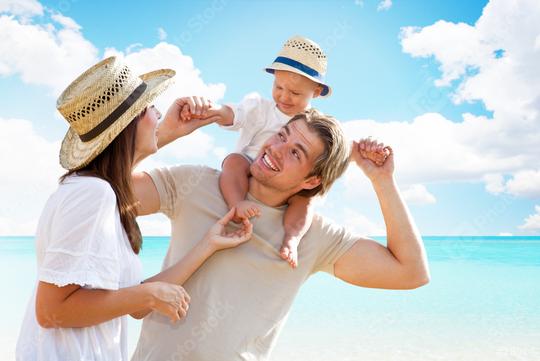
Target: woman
x=87, y=241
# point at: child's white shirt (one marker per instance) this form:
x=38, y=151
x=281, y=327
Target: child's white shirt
x=257, y=119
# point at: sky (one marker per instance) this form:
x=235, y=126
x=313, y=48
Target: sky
x=454, y=87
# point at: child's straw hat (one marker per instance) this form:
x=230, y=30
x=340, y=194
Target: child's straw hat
x=100, y=103
x=305, y=57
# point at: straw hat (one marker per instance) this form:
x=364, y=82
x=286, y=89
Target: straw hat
x=100, y=103
x=305, y=57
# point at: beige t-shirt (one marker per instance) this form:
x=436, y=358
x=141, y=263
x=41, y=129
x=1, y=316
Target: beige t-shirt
x=240, y=297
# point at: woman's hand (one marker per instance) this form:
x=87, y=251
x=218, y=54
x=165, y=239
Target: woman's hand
x=360, y=154
x=168, y=299
x=217, y=238
x=174, y=126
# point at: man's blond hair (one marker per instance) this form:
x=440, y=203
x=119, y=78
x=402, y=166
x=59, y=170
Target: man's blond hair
x=333, y=161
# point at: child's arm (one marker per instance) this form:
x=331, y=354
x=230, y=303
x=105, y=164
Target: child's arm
x=201, y=108
x=234, y=185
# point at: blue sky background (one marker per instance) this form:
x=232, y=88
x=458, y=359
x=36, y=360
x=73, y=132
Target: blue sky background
x=372, y=76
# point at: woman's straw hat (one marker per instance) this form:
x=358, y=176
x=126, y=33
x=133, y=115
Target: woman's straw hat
x=305, y=57
x=100, y=103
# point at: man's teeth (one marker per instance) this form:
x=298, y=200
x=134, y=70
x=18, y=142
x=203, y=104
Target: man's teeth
x=269, y=163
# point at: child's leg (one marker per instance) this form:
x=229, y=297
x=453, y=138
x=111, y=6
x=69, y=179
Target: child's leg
x=296, y=221
x=234, y=186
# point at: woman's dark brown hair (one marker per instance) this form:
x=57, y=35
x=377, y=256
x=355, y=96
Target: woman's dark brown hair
x=113, y=165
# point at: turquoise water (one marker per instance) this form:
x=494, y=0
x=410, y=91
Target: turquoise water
x=483, y=303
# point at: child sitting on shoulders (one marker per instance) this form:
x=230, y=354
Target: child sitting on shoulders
x=298, y=71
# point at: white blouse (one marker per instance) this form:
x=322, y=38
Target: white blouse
x=80, y=240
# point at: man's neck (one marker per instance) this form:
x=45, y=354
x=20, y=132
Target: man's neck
x=266, y=195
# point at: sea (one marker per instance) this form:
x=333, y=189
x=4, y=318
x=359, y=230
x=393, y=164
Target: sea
x=483, y=303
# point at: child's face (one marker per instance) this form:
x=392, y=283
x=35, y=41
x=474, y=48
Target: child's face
x=292, y=92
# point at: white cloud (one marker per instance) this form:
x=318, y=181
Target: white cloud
x=165, y=55
x=525, y=183
x=433, y=148
x=220, y=152
x=66, y=22
x=507, y=84
x=198, y=147
x=505, y=234
x=31, y=170
x=426, y=42
x=359, y=224
x=51, y=54
x=25, y=8
x=532, y=222
x=418, y=194
x=494, y=183
x=384, y=5
x=162, y=34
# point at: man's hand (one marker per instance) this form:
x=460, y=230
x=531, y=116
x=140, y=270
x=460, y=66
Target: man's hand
x=174, y=126
x=367, y=149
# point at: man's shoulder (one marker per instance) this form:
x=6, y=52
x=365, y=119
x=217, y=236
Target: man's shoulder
x=320, y=223
x=324, y=227
x=197, y=170
x=181, y=177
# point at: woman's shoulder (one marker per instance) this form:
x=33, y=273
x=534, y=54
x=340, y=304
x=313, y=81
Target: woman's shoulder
x=86, y=186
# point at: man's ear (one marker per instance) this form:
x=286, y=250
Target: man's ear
x=311, y=182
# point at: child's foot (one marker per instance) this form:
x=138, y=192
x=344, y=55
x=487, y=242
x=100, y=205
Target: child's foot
x=289, y=251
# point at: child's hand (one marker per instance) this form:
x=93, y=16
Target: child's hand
x=360, y=155
x=372, y=150
x=245, y=210
x=377, y=155
x=197, y=107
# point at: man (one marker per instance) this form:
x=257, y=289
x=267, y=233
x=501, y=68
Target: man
x=241, y=296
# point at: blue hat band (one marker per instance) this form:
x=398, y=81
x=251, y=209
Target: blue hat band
x=302, y=67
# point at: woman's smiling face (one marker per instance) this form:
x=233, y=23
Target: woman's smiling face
x=146, y=137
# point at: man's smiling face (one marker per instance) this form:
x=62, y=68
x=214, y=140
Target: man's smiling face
x=286, y=159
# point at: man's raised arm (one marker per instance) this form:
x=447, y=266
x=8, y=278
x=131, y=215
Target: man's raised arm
x=402, y=264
